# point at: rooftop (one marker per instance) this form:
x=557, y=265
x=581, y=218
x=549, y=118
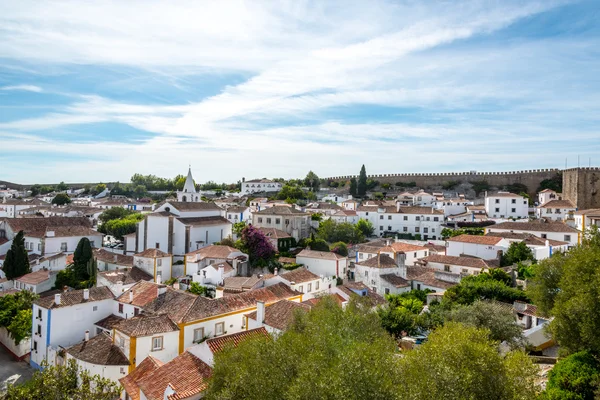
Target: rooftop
x=213, y=251
x=99, y=350
x=220, y=343
x=379, y=261
x=535, y=227
x=280, y=210
x=470, y=262
x=36, y=227
x=35, y=278
x=113, y=258
x=152, y=253
x=127, y=276
x=558, y=204
x=274, y=233
x=280, y=315
x=74, y=297
x=193, y=206
x=327, y=255
x=204, y=221
x=476, y=239
x=146, y=325
x=299, y=275
x=145, y=368
x=395, y=280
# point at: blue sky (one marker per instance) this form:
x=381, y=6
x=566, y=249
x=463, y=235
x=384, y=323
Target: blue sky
x=97, y=91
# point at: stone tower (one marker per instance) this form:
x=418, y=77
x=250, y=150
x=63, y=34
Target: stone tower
x=582, y=187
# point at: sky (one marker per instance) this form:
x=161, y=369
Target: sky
x=99, y=90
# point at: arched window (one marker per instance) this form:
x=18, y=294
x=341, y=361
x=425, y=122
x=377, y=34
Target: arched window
x=184, y=198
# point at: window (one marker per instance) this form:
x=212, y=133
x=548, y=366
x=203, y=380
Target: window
x=159, y=262
x=198, y=334
x=567, y=238
x=557, y=211
x=417, y=218
x=157, y=245
x=309, y=288
x=389, y=227
x=415, y=255
x=389, y=217
x=35, y=346
x=427, y=219
x=92, y=243
x=39, y=247
x=544, y=236
x=425, y=230
x=219, y=328
x=120, y=308
x=63, y=246
x=277, y=220
x=497, y=201
x=465, y=271
x=366, y=274
x=513, y=210
x=268, y=220
x=548, y=211
x=260, y=220
x=380, y=228
x=287, y=221
x=136, y=311
x=417, y=229
x=406, y=217
x=121, y=342
x=317, y=285
x=497, y=210
x=387, y=291
x=157, y=343
x=447, y=268
x=360, y=255
x=39, y=314
x=95, y=308
x=405, y=229
x=39, y=330
x=436, y=219
x=381, y=217
x=367, y=213
x=514, y=201
x=301, y=289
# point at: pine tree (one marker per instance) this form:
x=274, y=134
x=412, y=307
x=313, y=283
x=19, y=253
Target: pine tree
x=353, y=190
x=82, y=258
x=362, y=182
x=16, y=263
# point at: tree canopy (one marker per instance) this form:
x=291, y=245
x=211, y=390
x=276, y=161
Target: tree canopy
x=16, y=263
x=517, y=252
x=61, y=199
x=574, y=377
x=258, y=247
x=361, y=187
x=365, y=226
x=492, y=285
x=15, y=314
x=312, y=181
x=332, y=231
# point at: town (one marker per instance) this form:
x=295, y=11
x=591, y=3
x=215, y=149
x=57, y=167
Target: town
x=148, y=286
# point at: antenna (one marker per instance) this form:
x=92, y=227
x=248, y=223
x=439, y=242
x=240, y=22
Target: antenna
x=578, y=161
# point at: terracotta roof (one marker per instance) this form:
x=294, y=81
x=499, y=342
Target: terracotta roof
x=280, y=210
x=589, y=212
x=535, y=227
x=419, y=210
x=237, y=284
x=287, y=260
x=528, y=238
x=146, y=325
x=186, y=374
x=435, y=247
x=152, y=253
x=379, y=261
x=99, y=350
x=204, y=221
x=471, y=262
x=214, y=251
x=9, y=291
x=405, y=247
x=113, y=258
x=70, y=231
x=281, y=314
x=530, y=309
x=205, y=308
x=327, y=255
x=130, y=382
x=315, y=300
x=174, y=303
x=143, y=293
x=299, y=275
x=395, y=280
x=193, y=206
x=349, y=289
x=127, y=276
x=109, y=322
x=323, y=206
x=75, y=297
x=429, y=278
x=35, y=278
x=36, y=227
x=226, y=266
x=220, y=343
x=274, y=233
x=558, y=204
x=476, y=239
x=504, y=194
x=237, y=209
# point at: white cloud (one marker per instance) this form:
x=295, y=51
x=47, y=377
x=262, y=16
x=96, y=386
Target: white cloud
x=26, y=88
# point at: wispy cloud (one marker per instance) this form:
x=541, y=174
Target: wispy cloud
x=26, y=88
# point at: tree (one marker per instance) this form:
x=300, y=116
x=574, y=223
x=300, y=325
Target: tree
x=567, y=287
x=16, y=263
x=554, y=183
x=62, y=186
x=238, y=227
x=339, y=248
x=574, y=377
x=365, y=226
x=61, y=199
x=140, y=190
x=35, y=190
x=460, y=362
x=99, y=188
x=312, y=181
x=317, y=244
x=517, y=251
x=15, y=314
x=332, y=231
x=64, y=382
x=257, y=246
x=196, y=288
x=83, y=261
x=485, y=286
x=499, y=321
x=121, y=227
x=353, y=187
x=480, y=186
x=361, y=188
x=341, y=353
x=448, y=232
x=114, y=213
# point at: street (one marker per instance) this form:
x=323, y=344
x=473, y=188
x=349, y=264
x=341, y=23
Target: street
x=12, y=371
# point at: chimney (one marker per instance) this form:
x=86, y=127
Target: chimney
x=176, y=285
x=276, y=271
x=218, y=292
x=115, y=258
x=119, y=287
x=86, y=294
x=57, y=298
x=221, y=272
x=131, y=296
x=158, y=279
x=260, y=313
x=519, y=306
x=87, y=336
x=65, y=288
x=547, y=243
x=162, y=289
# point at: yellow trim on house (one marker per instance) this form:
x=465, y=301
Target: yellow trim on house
x=580, y=234
x=155, y=270
x=184, y=265
x=171, y=275
x=181, y=337
x=132, y=350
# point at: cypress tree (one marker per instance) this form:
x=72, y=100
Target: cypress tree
x=353, y=190
x=16, y=263
x=362, y=182
x=82, y=257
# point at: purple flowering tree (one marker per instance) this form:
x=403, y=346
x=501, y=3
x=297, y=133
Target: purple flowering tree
x=257, y=245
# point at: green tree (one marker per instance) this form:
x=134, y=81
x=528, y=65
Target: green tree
x=16, y=263
x=499, y=321
x=317, y=244
x=140, y=191
x=121, y=227
x=238, y=227
x=99, y=188
x=554, y=183
x=517, y=252
x=365, y=226
x=114, y=213
x=35, y=190
x=62, y=186
x=574, y=377
x=485, y=286
x=449, y=232
x=179, y=182
x=332, y=231
x=15, y=314
x=64, y=382
x=573, y=294
x=480, y=186
x=460, y=362
x=339, y=248
x=61, y=199
x=353, y=187
x=337, y=353
x=196, y=288
x=312, y=181
x=83, y=260
x=361, y=188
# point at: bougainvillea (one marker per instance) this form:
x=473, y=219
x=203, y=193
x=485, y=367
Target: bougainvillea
x=257, y=245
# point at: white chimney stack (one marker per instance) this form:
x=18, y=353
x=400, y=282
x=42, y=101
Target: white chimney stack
x=276, y=271
x=158, y=279
x=119, y=287
x=86, y=294
x=131, y=296
x=260, y=313
x=57, y=298
x=87, y=336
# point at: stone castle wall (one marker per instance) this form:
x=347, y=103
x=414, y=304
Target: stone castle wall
x=582, y=187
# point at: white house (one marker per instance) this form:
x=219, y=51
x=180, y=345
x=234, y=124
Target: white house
x=304, y=281
x=323, y=263
x=36, y=282
x=275, y=318
x=324, y=208
x=235, y=214
x=345, y=216
x=350, y=205
x=288, y=219
x=10, y=208
x=557, y=210
x=545, y=230
x=259, y=185
x=63, y=319
x=584, y=219
x=206, y=350
x=383, y=274
x=458, y=265
x=412, y=252
x=155, y=263
x=109, y=261
x=548, y=195
x=424, y=222
x=121, y=280
x=505, y=205
x=203, y=264
x=486, y=247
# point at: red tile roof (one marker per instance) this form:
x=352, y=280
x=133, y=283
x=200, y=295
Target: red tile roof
x=280, y=315
x=327, y=255
x=143, y=293
x=476, y=239
x=75, y=297
x=152, y=253
x=113, y=258
x=146, y=325
x=98, y=350
x=299, y=275
x=214, y=251
x=471, y=262
x=130, y=382
x=222, y=342
x=35, y=278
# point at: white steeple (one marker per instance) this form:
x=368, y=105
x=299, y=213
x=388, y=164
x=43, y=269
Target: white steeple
x=189, y=186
